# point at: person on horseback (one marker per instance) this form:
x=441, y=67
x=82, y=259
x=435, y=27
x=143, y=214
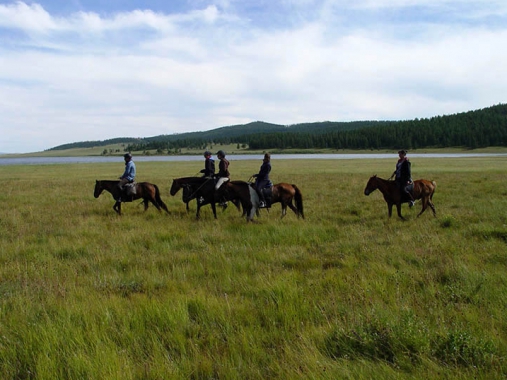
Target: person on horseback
x=222, y=176
x=262, y=180
x=403, y=175
x=209, y=166
x=128, y=175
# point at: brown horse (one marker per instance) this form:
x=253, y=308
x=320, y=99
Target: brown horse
x=423, y=190
x=245, y=193
x=285, y=194
x=145, y=190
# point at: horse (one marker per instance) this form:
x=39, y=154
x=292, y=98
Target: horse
x=245, y=193
x=199, y=188
x=145, y=190
x=423, y=190
x=285, y=194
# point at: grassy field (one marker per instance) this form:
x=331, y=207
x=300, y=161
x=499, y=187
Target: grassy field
x=344, y=294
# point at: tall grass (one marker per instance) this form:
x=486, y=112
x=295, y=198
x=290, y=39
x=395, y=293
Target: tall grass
x=345, y=293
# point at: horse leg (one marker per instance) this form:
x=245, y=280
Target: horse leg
x=390, y=209
x=214, y=208
x=197, y=213
x=291, y=206
x=284, y=210
x=146, y=204
x=432, y=206
x=424, y=202
x=117, y=207
x=398, y=209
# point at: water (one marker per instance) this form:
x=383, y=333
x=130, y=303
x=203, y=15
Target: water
x=239, y=157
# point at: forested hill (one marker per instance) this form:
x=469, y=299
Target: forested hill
x=473, y=129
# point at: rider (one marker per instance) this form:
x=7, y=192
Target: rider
x=209, y=166
x=223, y=175
x=262, y=179
x=129, y=174
x=403, y=175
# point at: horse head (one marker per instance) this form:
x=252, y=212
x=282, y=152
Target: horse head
x=98, y=189
x=175, y=187
x=371, y=186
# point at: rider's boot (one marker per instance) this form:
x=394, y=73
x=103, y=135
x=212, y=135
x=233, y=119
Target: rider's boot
x=262, y=201
x=412, y=201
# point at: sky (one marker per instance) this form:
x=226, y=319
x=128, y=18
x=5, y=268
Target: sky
x=85, y=70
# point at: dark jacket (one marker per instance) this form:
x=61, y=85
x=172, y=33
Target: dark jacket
x=262, y=179
x=223, y=168
x=209, y=168
x=403, y=171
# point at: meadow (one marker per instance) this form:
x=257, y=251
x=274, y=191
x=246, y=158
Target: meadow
x=346, y=293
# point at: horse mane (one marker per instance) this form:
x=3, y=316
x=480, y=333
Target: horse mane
x=191, y=179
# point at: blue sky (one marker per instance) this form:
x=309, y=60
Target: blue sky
x=80, y=70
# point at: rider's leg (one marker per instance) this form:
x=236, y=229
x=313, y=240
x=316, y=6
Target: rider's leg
x=220, y=193
x=407, y=191
x=122, y=183
x=262, y=200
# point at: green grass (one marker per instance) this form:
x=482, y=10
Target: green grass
x=346, y=293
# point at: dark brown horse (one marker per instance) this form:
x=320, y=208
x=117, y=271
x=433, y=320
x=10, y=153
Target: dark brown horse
x=423, y=190
x=245, y=193
x=199, y=188
x=285, y=194
x=145, y=190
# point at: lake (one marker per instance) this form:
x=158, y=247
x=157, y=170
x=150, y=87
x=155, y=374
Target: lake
x=239, y=157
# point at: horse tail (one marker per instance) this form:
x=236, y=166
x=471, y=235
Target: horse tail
x=299, y=200
x=159, y=200
x=434, y=188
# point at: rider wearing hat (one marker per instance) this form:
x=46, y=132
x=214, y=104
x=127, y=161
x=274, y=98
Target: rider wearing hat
x=129, y=174
x=209, y=165
x=403, y=175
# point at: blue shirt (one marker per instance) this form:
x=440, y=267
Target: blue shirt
x=130, y=171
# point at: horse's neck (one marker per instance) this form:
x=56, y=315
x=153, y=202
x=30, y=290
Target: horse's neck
x=110, y=185
x=384, y=184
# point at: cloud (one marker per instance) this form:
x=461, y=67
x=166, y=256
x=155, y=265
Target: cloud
x=93, y=76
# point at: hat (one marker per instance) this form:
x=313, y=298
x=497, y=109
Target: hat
x=127, y=155
x=207, y=153
x=403, y=151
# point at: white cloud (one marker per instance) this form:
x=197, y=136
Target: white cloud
x=92, y=76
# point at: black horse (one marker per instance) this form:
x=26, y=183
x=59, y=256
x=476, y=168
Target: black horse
x=202, y=190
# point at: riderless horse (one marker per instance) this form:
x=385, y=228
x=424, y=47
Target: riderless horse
x=423, y=190
x=145, y=190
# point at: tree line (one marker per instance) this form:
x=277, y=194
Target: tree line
x=473, y=129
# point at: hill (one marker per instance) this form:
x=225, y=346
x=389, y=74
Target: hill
x=473, y=129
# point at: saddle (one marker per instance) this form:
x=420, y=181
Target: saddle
x=129, y=191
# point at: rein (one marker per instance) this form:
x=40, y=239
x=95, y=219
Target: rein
x=199, y=188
